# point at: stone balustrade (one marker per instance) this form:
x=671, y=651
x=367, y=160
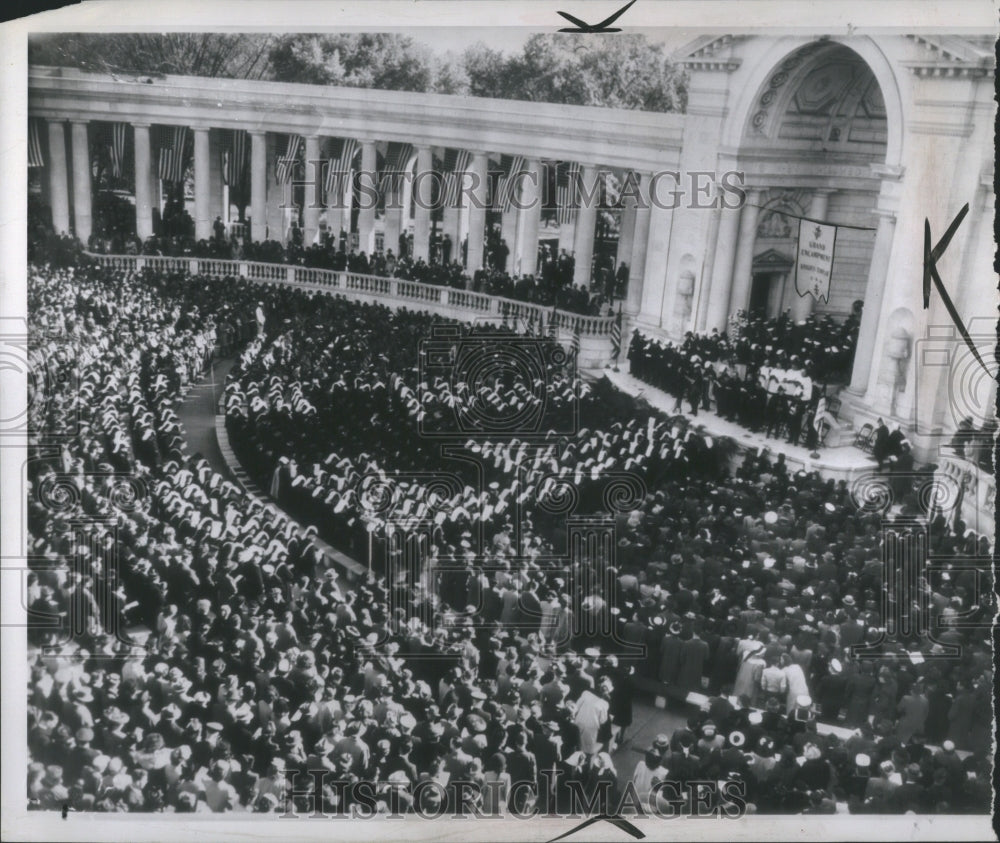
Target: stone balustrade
x=961, y=483
x=464, y=305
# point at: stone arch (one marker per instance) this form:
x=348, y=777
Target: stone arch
x=796, y=52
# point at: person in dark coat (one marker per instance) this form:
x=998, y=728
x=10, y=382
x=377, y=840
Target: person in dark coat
x=693, y=655
x=620, y=704
x=858, y=694
x=670, y=654
x=880, y=448
x=831, y=692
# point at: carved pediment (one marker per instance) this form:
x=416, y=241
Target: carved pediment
x=772, y=261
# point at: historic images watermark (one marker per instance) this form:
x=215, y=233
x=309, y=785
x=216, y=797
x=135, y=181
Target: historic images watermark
x=944, y=365
x=325, y=794
x=522, y=189
x=910, y=572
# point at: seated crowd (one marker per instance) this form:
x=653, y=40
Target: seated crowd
x=768, y=375
x=222, y=657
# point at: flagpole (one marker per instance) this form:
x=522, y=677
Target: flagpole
x=616, y=337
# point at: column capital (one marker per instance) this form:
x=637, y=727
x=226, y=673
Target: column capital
x=79, y=122
x=257, y=133
x=52, y=121
x=140, y=125
x=200, y=129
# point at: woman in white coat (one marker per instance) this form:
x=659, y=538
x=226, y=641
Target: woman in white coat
x=797, y=685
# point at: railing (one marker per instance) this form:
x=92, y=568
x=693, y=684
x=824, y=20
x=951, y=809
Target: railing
x=461, y=304
x=266, y=271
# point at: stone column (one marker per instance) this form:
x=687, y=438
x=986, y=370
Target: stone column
x=722, y=270
x=802, y=306
x=202, y=209
x=640, y=242
x=217, y=190
x=529, y=218
x=870, y=315
x=583, y=238
x=477, y=212
x=82, y=221
x=143, y=197
x=423, y=190
x=258, y=186
x=739, y=296
x=366, y=214
x=58, y=187
x=310, y=204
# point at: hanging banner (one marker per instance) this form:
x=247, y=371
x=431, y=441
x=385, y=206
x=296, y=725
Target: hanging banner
x=814, y=262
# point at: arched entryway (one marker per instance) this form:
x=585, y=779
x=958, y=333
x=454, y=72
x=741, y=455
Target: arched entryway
x=810, y=135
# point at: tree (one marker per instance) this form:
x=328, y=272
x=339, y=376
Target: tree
x=482, y=66
x=367, y=60
x=181, y=53
x=450, y=76
x=619, y=71
x=623, y=71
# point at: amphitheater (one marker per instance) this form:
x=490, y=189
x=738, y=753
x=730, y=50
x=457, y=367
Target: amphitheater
x=286, y=517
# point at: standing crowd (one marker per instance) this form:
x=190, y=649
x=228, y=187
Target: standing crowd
x=767, y=375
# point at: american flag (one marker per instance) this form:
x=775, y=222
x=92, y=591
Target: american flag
x=456, y=162
x=506, y=184
x=172, y=154
x=616, y=334
x=575, y=342
x=397, y=157
x=339, y=171
x=567, y=176
x=284, y=167
x=35, y=157
x=116, y=148
x=234, y=159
